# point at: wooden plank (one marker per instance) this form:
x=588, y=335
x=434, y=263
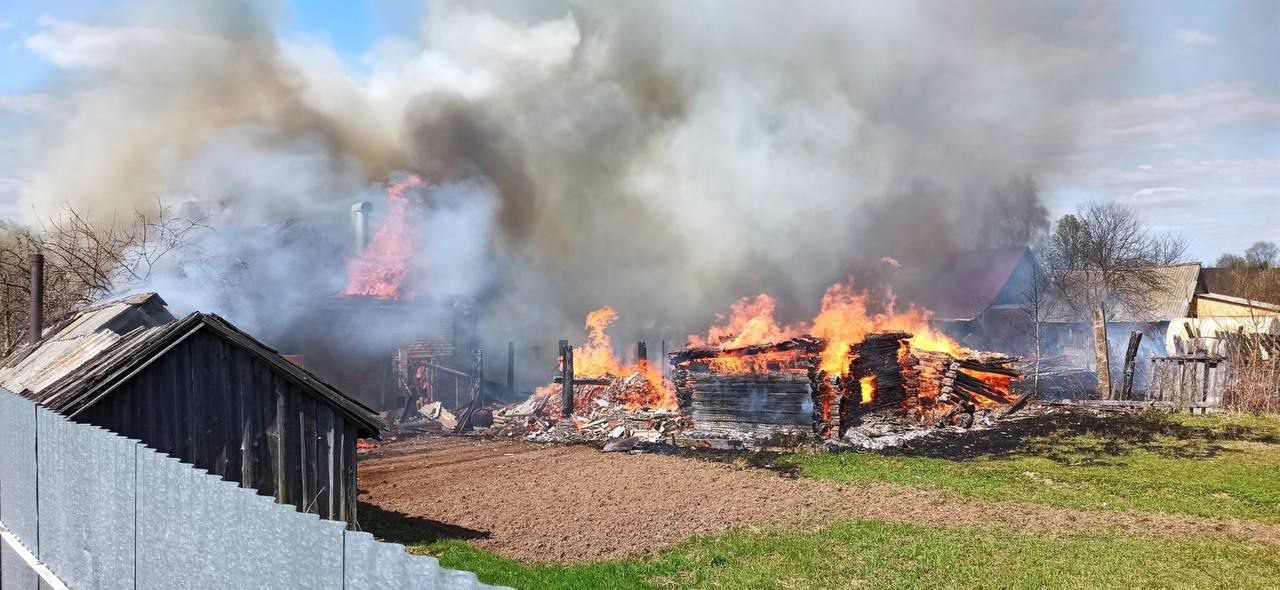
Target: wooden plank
x=338, y=464
x=266, y=441
x=232, y=426
x=195, y=400
x=323, y=447
x=289, y=468
x=249, y=415
x=307, y=460
x=349, y=480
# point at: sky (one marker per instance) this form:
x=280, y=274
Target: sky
x=1190, y=136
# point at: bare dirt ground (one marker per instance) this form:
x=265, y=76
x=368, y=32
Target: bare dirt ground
x=548, y=503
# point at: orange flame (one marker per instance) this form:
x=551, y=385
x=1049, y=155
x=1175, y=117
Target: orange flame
x=750, y=322
x=843, y=320
x=596, y=358
x=868, y=385
x=380, y=271
x=1002, y=383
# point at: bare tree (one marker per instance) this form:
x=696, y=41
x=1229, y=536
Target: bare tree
x=1038, y=303
x=1103, y=258
x=85, y=261
x=1255, y=275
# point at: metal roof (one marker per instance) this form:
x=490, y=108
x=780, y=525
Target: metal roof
x=1181, y=283
x=85, y=358
x=1242, y=301
x=78, y=338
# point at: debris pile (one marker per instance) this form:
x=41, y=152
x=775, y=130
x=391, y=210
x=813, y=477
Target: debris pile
x=603, y=410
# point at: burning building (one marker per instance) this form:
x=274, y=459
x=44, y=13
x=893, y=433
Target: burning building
x=751, y=380
x=387, y=338
x=781, y=390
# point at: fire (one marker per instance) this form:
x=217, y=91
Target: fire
x=380, y=271
x=845, y=318
x=596, y=358
x=995, y=381
x=750, y=322
x=868, y=385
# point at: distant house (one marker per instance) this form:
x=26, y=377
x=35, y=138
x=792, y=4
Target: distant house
x=979, y=298
x=982, y=301
x=203, y=391
x=1218, y=305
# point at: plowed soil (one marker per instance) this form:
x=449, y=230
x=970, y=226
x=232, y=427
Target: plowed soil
x=547, y=503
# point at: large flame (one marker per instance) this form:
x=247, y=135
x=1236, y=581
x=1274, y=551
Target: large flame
x=843, y=320
x=380, y=271
x=596, y=358
x=750, y=322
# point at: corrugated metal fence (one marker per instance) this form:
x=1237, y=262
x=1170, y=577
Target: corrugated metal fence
x=87, y=508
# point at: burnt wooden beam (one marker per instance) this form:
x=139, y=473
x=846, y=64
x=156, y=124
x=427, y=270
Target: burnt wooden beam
x=802, y=344
x=511, y=370
x=566, y=380
x=1130, y=356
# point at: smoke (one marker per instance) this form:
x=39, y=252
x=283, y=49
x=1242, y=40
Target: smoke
x=665, y=158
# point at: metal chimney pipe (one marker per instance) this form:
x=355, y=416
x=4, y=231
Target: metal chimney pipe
x=360, y=217
x=35, y=328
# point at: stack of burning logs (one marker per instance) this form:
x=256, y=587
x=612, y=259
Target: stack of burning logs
x=779, y=389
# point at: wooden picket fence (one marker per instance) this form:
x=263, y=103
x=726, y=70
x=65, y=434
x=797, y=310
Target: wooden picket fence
x=1237, y=372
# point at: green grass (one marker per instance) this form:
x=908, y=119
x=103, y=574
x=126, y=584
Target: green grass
x=872, y=554
x=1213, y=466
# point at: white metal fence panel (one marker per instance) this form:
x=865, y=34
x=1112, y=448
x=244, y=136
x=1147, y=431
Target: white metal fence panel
x=86, y=491
x=371, y=564
x=198, y=531
x=18, y=468
x=14, y=572
x=103, y=511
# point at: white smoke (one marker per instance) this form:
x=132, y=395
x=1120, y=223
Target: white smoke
x=665, y=158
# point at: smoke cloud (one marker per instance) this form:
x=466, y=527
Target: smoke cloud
x=665, y=158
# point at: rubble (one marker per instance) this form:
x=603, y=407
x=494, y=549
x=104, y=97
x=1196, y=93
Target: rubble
x=764, y=396
x=601, y=413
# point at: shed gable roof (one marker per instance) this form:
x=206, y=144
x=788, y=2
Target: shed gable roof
x=85, y=361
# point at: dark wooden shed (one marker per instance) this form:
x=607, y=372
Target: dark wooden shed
x=203, y=391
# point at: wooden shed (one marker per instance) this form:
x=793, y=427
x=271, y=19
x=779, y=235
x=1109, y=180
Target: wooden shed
x=203, y=391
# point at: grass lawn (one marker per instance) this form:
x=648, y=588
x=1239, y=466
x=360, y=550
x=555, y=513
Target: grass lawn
x=872, y=554
x=1214, y=466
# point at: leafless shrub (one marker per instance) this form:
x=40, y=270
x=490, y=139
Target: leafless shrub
x=1254, y=388
x=85, y=260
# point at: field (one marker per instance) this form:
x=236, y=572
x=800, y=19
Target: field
x=1060, y=501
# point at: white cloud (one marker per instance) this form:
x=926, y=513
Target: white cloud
x=1158, y=196
x=1219, y=205
x=1167, y=122
x=78, y=46
x=1195, y=40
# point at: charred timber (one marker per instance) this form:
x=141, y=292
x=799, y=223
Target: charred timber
x=802, y=344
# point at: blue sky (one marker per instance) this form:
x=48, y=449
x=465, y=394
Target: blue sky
x=1191, y=137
